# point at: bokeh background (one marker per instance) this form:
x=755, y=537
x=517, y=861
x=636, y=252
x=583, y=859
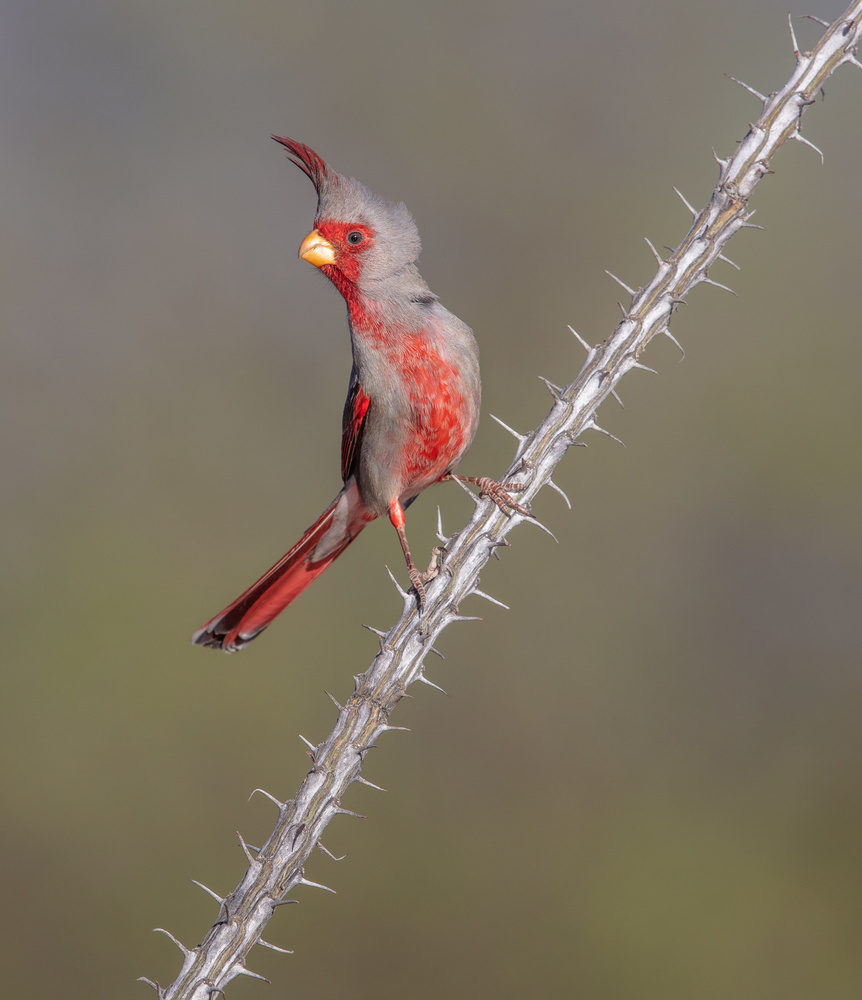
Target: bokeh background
x=645, y=779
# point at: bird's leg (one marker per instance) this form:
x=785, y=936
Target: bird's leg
x=498, y=492
x=396, y=516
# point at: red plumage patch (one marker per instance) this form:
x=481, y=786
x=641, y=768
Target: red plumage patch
x=355, y=409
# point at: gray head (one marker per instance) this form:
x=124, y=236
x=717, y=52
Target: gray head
x=347, y=208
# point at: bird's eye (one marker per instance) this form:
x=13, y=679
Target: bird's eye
x=355, y=238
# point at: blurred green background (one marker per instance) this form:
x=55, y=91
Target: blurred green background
x=645, y=780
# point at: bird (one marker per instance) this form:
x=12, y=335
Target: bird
x=413, y=399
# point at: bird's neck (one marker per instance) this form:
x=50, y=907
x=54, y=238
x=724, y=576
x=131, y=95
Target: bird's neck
x=378, y=308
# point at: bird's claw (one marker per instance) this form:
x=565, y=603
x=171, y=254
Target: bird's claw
x=417, y=579
x=499, y=493
x=434, y=566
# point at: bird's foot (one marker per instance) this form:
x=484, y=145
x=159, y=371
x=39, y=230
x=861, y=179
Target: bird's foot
x=435, y=565
x=498, y=492
x=417, y=579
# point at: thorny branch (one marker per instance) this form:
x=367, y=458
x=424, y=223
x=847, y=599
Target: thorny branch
x=275, y=868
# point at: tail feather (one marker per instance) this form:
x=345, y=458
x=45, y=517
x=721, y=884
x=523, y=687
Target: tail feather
x=246, y=617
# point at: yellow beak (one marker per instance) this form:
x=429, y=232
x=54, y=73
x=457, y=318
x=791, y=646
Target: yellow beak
x=317, y=250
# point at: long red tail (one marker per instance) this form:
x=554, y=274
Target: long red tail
x=253, y=610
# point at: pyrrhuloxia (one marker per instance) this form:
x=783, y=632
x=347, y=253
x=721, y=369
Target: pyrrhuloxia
x=413, y=401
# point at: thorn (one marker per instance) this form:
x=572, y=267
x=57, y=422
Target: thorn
x=186, y=951
x=377, y=632
x=637, y=364
x=329, y=853
x=793, y=38
x=623, y=310
x=616, y=396
x=594, y=426
x=801, y=138
x=685, y=202
x=581, y=341
x=520, y=437
x=554, y=390
x=243, y=971
x=820, y=21
x=550, y=482
x=370, y=784
x=334, y=700
x=474, y=618
x=395, y=729
x=149, y=982
x=722, y=163
x=271, y=798
x=245, y=849
x=404, y=595
x=538, y=523
x=274, y=947
x=345, y=812
x=476, y=499
x=853, y=60
x=655, y=252
x=727, y=260
x=752, y=225
x=671, y=337
x=316, y=885
x=308, y=743
x=282, y=902
x=717, y=284
x=424, y=680
x=219, y=899
x=436, y=652
x=493, y=600
x=620, y=282
x=751, y=90
x=440, y=536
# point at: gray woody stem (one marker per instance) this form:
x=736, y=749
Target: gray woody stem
x=277, y=867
